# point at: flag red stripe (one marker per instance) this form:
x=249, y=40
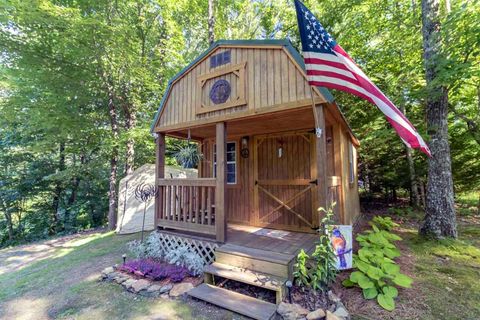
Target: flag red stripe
x=331, y=74
x=338, y=65
x=361, y=82
x=402, y=132
x=368, y=85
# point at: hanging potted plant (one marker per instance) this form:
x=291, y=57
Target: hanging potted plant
x=188, y=156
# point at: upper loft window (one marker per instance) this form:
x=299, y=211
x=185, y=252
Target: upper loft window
x=220, y=58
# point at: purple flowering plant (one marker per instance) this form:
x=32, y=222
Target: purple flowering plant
x=155, y=270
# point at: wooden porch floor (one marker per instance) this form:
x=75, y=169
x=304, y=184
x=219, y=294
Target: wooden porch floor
x=275, y=241
x=280, y=241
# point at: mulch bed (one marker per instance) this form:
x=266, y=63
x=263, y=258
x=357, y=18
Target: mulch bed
x=311, y=300
x=409, y=305
x=248, y=290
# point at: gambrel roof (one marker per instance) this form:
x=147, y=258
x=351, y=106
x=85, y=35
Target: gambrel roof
x=245, y=44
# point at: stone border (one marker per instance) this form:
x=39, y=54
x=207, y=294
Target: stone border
x=145, y=287
x=293, y=311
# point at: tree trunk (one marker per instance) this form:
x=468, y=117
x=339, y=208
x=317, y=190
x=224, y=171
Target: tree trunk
x=415, y=199
x=439, y=219
x=112, y=193
x=58, y=191
x=8, y=218
x=211, y=22
x=413, y=179
x=130, y=123
x=69, y=220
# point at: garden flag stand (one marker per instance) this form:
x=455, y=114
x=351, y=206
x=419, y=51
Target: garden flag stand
x=328, y=65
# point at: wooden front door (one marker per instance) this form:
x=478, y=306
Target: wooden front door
x=284, y=189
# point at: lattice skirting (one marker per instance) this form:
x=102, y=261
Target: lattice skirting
x=204, y=248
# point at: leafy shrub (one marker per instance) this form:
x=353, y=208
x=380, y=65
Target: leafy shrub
x=155, y=270
x=318, y=271
x=183, y=256
x=137, y=249
x=153, y=248
x=383, y=223
x=377, y=273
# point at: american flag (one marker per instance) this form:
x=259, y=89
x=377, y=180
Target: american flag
x=328, y=65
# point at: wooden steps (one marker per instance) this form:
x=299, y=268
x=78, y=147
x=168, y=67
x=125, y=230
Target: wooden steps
x=236, y=302
x=274, y=263
x=254, y=278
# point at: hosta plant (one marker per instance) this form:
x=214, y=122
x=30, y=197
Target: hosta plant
x=383, y=223
x=377, y=273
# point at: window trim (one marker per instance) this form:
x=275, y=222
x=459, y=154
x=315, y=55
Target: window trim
x=351, y=165
x=235, y=162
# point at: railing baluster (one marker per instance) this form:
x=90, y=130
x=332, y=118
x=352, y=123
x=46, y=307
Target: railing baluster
x=184, y=203
x=202, y=199
x=190, y=204
x=197, y=205
x=209, y=206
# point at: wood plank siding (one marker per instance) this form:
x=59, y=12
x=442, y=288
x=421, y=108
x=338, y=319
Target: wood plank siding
x=255, y=95
x=269, y=78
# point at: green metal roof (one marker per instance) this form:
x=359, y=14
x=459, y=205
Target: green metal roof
x=283, y=42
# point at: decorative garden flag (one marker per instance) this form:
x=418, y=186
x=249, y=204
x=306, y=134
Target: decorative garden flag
x=341, y=239
x=328, y=65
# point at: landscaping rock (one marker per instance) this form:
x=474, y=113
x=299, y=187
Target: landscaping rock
x=291, y=311
x=331, y=316
x=128, y=283
x=166, y=288
x=120, y=278
x=164, y=296
x=333, y=297
x=342, y=312
x=180, y=288
x=316, y=315
x=140, y=285
x=107, y=271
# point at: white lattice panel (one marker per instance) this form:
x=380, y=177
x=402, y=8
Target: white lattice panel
x=205, y=249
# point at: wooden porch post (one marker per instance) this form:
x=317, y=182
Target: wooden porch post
x=159, y=174
x=321, y=157
x=220, y=194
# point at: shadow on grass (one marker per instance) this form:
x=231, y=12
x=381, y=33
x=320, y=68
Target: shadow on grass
x=65, y=285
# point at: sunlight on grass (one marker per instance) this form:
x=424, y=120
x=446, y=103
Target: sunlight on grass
x=448, y=273
x=28, y=308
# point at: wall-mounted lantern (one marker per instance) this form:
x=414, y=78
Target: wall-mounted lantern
x=244, y=151
x=280, y=148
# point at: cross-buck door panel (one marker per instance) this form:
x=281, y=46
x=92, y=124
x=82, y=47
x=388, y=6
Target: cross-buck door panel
x=284, y=185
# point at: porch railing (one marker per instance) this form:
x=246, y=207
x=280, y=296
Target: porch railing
x=187, y=204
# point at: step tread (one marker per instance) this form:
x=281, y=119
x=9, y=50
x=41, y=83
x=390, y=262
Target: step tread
x=248, y=276
x=275, y=257
x=237, y=302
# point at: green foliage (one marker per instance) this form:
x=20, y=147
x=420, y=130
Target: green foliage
x=377, y=273
x=318, y=271
x=383, y=223
x=188, y=155
x=62, y=61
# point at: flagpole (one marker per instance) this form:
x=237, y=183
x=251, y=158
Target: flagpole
x=318, y=132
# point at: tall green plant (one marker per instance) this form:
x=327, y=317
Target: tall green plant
x=318, y=271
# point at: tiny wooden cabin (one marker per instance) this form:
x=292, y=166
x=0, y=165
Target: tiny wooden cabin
x=273, y=148
x=249, y=106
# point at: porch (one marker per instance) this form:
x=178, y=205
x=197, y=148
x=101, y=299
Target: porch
x=263, y=172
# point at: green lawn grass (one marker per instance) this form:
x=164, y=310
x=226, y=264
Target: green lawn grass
x=448, y=271
x=65, y=285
